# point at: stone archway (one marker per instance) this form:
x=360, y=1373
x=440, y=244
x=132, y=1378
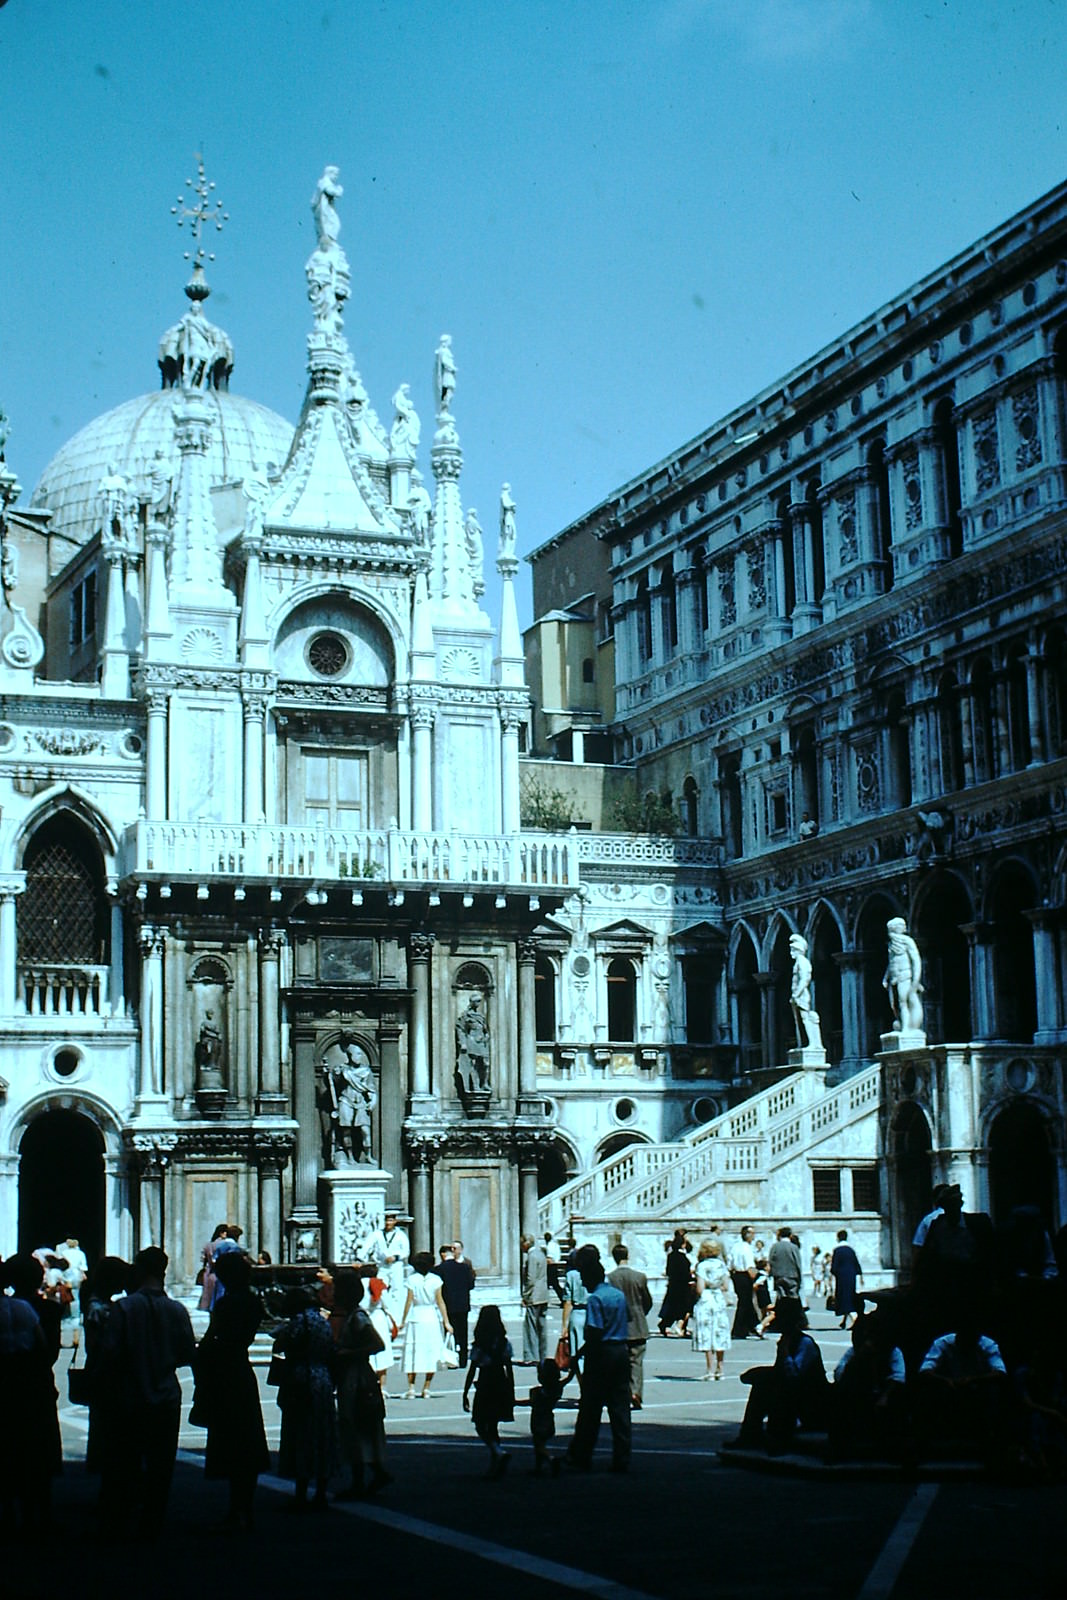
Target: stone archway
x=61, y=1182
x=912, y=1174
x=1022, y=1169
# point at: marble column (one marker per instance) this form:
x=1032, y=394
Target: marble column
x=115, y=681
x=510, y=723
x=308, y=1158
x=528, y=1195
x=1002, y=735
x=965, y=708
x=1044, y=921
x=270, y=1100
x=806, y=611
x=9, y=947
x=117, y=974
x=979, y=936
x=271, y=1156
x=1033, y=659
x=852, y=965
x=528, y=1103
x=156, y=756
x=420, y=953
x=768, y=1021
x=255, y=716
x=422, y=769
x=150, y=1065
x=420, y=1174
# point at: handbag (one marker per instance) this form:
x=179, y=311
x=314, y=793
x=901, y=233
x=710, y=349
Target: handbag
x=562, y=1357
x=829, y=1302
x=79, y=1382
x=449, y=1356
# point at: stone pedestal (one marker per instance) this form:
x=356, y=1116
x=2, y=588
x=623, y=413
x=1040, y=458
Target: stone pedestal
x=353, y=1206
x=808, y=1055
x=906, y=1039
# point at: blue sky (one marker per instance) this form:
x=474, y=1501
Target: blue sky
x=630, y=217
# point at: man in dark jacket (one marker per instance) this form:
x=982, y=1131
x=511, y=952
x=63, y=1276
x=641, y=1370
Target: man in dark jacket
x=785, y=1266
x=146, y=1338
x=638, y=1297
x=457, y=1281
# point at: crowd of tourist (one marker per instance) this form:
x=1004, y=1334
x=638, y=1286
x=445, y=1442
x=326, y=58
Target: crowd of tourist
x=965, y=1357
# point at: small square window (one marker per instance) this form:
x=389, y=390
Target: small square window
x=865, y=1188
x=826, y=1188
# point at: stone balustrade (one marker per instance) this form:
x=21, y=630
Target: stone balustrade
x=208, y=850
x=747, y=1143
x=50, y=990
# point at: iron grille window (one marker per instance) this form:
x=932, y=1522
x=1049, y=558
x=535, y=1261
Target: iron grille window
x=826, y=1188
x=865, y=1188
x=62, y=915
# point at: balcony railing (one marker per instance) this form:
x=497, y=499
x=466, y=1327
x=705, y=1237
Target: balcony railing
x=208, y=850
x=50, y=990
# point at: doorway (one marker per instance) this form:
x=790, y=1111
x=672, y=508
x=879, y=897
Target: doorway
x=1021, y=1167
x=61, y=1183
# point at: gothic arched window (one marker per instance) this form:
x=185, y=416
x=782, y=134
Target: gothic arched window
x=63, y=916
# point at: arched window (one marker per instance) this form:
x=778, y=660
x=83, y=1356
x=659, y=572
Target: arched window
x=700, y=567
x=643, y=615
x=1015, y=982
x=749, y=1009
x=949, y=734
x=884, y=531
x=948, y=460
x=899, y=749
x=805, y=776
x=818, y=553
x=588, y=670
x=669, y=591
x=781, y=511
x=622, y=998
x=690, y=807
x=544, y=1000
x=63, y=916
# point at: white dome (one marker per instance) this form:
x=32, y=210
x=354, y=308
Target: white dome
x=246, y=438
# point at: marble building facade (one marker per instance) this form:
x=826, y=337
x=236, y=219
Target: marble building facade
x=829, y=633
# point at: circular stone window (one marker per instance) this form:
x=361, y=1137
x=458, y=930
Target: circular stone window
x=704, y=1109
x=328, y=654
x=625, y=1111
x=65, y=1063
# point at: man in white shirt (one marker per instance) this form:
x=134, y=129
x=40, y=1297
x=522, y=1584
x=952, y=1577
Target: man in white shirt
x=742, y=1264
x=388, y=1247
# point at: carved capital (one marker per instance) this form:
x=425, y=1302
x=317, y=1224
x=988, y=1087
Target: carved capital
x=153, y=941
x=271, y=1152
x=255, y=707
x=422, y=716
x=527, y=951
x=420, y=945
x=271, y=943
x=152, y=1152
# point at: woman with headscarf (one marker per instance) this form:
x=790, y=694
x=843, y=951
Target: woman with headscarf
x=308, y=1447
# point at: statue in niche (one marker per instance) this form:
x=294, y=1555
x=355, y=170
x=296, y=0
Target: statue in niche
x=903, y=978
x=345, y=1099
x=506, y=551
x=444, y=373
x=407, y=429
x=208, y=1053
x=474, y=545
x=473, y=1048
x=160, y=488
x=116, y=502
x=805, y=1017
x=421, y=507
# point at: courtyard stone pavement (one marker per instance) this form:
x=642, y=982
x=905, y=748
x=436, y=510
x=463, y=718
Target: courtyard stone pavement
x=680, y=1524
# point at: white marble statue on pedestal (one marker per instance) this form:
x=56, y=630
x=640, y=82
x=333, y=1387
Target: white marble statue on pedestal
x=421, y=507
x=327, y=266
x=506, y=551
x=903, y=978
x=805, y=1017
x=444, y=373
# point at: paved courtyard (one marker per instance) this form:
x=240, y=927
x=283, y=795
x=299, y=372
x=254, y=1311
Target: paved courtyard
x=679, y=1525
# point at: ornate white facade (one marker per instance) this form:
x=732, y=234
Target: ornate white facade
x=259, y=786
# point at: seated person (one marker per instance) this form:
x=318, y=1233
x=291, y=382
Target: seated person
x=962, y=1386
x=1042, y=1392
x=867, y=1413
x=790, y=1394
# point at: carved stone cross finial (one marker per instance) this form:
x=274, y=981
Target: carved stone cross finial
x=199, y=216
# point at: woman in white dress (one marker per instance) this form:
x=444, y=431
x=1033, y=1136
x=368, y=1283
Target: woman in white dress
x=711, y=1313
x=424, y=1323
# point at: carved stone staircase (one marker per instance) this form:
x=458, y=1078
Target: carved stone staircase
x=746, y=1147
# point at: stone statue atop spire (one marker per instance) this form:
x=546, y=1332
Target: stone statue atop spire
x=505, y=554
x=444, y=375
x=327, y=266
x=194, y=354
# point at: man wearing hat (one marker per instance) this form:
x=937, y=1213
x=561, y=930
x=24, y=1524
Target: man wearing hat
x=388, y=1247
